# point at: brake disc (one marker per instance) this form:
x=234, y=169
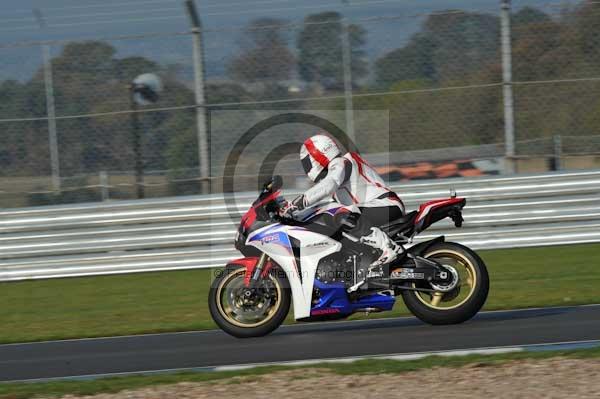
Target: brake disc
x=255, y=305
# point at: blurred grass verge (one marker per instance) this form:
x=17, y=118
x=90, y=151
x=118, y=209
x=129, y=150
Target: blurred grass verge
x=367, y=366
x=177, y=301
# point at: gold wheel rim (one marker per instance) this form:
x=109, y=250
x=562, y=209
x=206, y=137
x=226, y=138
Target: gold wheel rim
x=466, y=279
x=228, y=312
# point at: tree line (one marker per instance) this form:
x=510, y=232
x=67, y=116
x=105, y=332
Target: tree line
x=454, y=49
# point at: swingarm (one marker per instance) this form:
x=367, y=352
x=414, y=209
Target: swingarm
x=418, y=269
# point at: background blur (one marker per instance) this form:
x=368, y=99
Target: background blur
x=437, y=67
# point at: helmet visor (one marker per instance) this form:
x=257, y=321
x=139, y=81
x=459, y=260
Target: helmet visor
x=306, y=164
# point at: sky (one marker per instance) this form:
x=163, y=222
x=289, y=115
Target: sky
x=86, y=19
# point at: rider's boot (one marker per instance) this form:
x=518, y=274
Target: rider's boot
x=389, y=250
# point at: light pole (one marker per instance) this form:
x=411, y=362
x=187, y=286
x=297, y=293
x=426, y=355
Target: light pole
x=507, y=92
x=203, y=154
x=50, y=107
x=143, y=90
x=347, y=70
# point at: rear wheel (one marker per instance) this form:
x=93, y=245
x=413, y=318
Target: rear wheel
x=460, y=303
x=249, y=312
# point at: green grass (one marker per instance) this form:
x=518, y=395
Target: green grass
x=370, y=366
x=177, y=301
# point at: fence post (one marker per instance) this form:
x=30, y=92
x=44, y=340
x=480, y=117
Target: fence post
x=138, y=162
x=50, y=106
x=203, y=155
x=509, y=121
x=104, y=189
x=51, y=113
x=557, y=141
x=347, y=67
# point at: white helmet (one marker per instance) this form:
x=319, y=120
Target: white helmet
x=316, y=153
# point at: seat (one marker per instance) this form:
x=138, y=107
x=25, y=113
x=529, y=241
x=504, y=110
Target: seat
x=400, y=225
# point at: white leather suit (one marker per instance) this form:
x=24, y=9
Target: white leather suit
x=352, y=181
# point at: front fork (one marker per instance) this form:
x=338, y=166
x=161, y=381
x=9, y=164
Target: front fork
x=258, y=269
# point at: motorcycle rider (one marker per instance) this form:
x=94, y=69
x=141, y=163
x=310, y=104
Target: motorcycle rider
x=351, y=181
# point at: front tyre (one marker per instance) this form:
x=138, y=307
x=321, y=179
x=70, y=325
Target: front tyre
x=461, y=303
x=249, y=312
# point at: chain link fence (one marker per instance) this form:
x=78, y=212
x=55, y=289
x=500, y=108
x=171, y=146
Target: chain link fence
x=441, y=86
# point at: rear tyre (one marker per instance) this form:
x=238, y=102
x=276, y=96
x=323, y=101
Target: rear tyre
x=244, y=312
x=459, y=304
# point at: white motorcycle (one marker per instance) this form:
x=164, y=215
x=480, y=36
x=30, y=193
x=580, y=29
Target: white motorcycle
x=313, y=261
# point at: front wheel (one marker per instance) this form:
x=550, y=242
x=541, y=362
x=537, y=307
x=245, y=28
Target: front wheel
x=246, y=312
x=460, y=303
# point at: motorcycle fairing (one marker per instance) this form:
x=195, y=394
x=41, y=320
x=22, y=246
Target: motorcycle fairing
x=432, y=211
x=276, y=241
x=334, y=301
x=250, y=216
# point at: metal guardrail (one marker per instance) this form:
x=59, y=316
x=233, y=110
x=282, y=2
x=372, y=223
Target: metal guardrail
x=197, y=232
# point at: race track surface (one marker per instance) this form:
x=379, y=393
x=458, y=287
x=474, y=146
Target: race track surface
x=297, y=342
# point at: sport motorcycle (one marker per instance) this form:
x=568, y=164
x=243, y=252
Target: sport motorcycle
x=313, y=261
